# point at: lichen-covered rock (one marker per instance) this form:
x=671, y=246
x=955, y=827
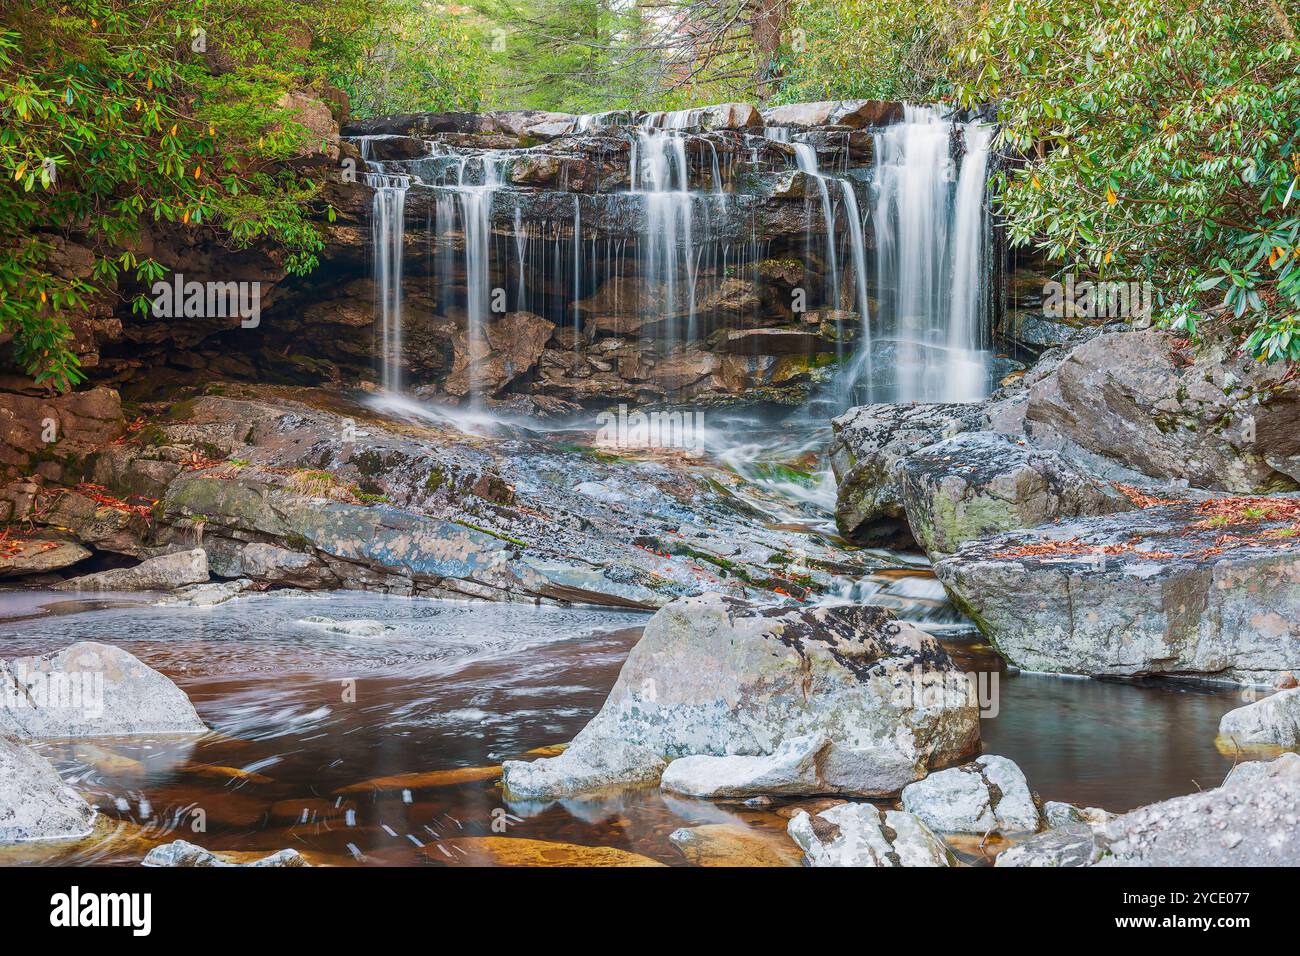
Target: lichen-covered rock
x=590, y=764
x=1249, y=821
x=90, y=690
x=983, y=483
x=861, y=834
x=722, y=677
x=869, y=442
x=1223, y=421
x=1058, y=814
x=1273, y=720
x=34, y=802
x=1161, y=590
x=989, y=795
x=167, y=572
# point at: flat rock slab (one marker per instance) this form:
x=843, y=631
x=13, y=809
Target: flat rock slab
x=167, y=572
x=38, y=556
x=91, y=690
x=729, y=844
x=1171, y=589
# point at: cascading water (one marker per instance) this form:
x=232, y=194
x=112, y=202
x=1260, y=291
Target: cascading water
x=932, y=239
x=671, y=252
x=387, y=236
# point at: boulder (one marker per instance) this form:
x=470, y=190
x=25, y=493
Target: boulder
x=868, y=443
x=718, y=676
x=90, y=690
x=511, y=346
x=1216, y=418
x=852, y=113
x=1274, y=720
x=1181, y=589
x=989, y=795
x=181, y=853
x=1057, y=814
x=163, y=573
x=34, y=802
x=790, y=771
x=982, y=483
x=1069, y=845
x=1249, y=821
x=62, y=428
x=860, y=834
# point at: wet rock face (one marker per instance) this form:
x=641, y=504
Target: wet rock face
x=283, y=493
x=860, y=834
x=1220, y=421
x=90, y=690
x=1169, y=589
x=54, y=434
x=722, y=678
x=34, y=802
x=989, y=795
x=853, y=114
x=983, y=483
x=869, y=442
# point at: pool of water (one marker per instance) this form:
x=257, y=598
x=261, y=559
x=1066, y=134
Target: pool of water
x=365, y=729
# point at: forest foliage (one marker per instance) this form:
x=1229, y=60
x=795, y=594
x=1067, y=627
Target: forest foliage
x=1150, y=139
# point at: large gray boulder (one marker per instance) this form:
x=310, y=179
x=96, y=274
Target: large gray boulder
x=34, y=802
x=1274, y=720
x=167, y=572
x=983, y=483
x=90, y=690
x=1217, y=418
x=868, y=443
x=988, y=795
x=1161, y=590
x=721, y=677
x=1249, y=821
x=861, y=834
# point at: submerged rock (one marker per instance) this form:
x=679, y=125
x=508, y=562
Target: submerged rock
x=729, y=844
x=1273, y=720
x=163, y=573
x=988, y=795
x=1161, y=590
x=34, y=802
x=984, y=483
x=181, y=853
x=91, y=690
x=869, y=442
x=860, y=834
x=721, y=677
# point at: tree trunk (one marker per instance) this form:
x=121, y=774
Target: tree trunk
x=766, y=21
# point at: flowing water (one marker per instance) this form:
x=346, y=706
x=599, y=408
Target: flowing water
x=318, y=702
x=932, y=259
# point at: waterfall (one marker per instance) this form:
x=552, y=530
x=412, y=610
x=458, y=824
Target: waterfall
x=660, y=175
x=387, y=232
x=932, y=238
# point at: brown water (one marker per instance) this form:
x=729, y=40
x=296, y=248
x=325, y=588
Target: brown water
x=308, y=721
